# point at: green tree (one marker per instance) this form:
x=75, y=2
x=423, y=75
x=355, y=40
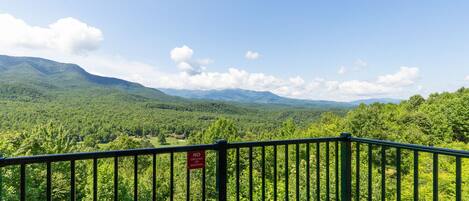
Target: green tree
x=414, y=102
x=162, y=139
x=222, y=128
x=288, y=128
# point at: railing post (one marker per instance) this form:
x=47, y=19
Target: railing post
x=346, y=167
x=1, y=178
x=221, y=169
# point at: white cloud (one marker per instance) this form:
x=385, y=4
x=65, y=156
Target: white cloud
x=404, y=77
x=297, y=81
x=251, y=55
x=182, y=56
x=235, y=78
x=297, y=87
x=65, y=35
x=342, y=70
x=184, y=66
x=384, y=85
x=467, y=78
x=363, y=88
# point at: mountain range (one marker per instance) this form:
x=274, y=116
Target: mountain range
x=37, y=77
x=266, y=97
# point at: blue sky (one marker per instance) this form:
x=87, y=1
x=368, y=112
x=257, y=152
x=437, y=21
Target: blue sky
x=302, y=49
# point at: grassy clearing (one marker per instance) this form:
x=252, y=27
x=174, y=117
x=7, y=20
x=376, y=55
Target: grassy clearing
x=170, y=141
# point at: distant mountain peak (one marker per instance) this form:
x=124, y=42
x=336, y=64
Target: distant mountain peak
x=376, y=100
x=265, y=97
x=250, y=96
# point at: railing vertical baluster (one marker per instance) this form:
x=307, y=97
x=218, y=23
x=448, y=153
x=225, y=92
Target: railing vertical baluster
x=23, y=182
x=135, y=178
x=171, y=176
x=308, y=194
x=188, y=184
x=398, y=174
x=275, y=172
x=370, y=172
x=346, y=167
x=357, y=172
x=328, y=197
x=297, y=170
x=95, y=179
x=116, y=178
x=318, y=173
x=337, y=170
x=153, y=180
x=250, y=175
x=383, y=173
x=203, y=183
x=72, y=180
x=263, y=172
x=416, y=175
x=286, y=173
x=458, y=178
x=1, y=179
x=435, y=177
x=237, y=174
x=49, y=182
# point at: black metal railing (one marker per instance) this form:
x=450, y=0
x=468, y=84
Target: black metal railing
x=306, y=156
x=256, y=170
x=415, y=150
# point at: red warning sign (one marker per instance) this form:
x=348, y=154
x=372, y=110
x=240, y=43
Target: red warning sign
x=196, y=159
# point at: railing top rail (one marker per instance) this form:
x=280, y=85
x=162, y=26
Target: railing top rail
x=283, y=142
x=174, y=149
x=416, y=147
x=101, y=154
